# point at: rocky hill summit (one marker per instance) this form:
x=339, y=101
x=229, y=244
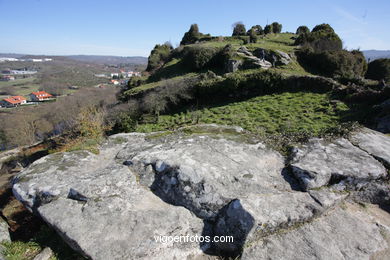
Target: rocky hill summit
x=326, y=199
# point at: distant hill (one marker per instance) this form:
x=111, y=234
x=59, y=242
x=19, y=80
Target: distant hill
x=11, y=55
x=109, y=59
x=375, y=54
x=97, y=59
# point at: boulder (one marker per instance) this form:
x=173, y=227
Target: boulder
x=283, y=58
x=45, y=254
x=319, y=163
x=4, y=233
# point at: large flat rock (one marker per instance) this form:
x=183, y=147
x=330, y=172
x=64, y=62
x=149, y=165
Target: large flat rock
x=113, y=205
x=316, y=162
x=203, y=174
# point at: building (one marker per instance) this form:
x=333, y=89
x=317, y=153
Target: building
x=23, y=72
x=115, y=75
x=3, y=59
x=7, y=78
x=115, y=82
x=40, y=96
x=13, y=101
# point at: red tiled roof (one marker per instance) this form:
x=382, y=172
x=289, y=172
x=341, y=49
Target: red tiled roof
x=15, y=99
x=41, y=94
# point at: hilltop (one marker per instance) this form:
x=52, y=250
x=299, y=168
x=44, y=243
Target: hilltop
x=269, y=82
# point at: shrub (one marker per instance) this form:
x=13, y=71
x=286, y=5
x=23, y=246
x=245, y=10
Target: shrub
x=339, y=63
x=321, y=38
x=276, y=27
x=198, y=57
x=379, y=70
x=159, y=55
x=303, y=30
x=239, y=29
x=91, y=122
x=323, y=27
x=191, y=36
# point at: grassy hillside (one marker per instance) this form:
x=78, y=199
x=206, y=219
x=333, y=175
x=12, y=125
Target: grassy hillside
x=281, y=99
x=286, y=112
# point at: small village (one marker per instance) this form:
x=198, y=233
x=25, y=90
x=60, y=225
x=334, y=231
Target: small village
x=36, y=96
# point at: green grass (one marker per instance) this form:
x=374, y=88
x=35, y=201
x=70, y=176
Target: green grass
x=21, y=87
x=280, y=41
x=171, y=69
x=151, y=85
x=270, y=114
x=22, y=250
x=19, y=250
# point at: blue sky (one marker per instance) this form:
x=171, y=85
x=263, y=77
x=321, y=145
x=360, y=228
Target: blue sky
x=130, y=28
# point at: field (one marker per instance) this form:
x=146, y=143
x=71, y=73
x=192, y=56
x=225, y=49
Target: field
x=21, y=87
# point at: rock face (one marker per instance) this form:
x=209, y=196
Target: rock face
x=214, y=183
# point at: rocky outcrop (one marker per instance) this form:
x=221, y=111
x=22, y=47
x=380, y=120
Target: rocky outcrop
x=276, y=58
x=211, y=181
x=244, y=59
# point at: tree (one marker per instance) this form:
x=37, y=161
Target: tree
x=257, y=28
x=238, y=29
x=267, y=29
x=303, y=29
x=191, y=36
x=334, y=63
x=252, y=36
x=321, y=38
x=276, y=27
x=159, y=55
